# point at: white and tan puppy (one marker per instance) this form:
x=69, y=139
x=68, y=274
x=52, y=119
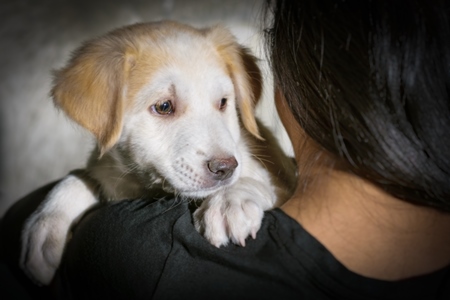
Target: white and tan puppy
x=165, y=102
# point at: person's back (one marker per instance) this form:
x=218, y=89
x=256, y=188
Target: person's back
x=141, y=250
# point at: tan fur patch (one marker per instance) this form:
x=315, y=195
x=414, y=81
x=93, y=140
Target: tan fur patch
x=244, y=72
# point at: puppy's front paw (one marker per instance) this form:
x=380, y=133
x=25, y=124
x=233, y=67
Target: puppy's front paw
x=43, y=240
x=234, y=213
x=46, y=231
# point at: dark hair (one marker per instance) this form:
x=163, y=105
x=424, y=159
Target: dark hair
x=369, y=81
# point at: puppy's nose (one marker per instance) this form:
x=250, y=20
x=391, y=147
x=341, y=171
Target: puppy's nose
x=222, y=168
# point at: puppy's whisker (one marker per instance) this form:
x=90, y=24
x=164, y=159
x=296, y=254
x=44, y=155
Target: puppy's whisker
x=263, y=160
x=178, y=200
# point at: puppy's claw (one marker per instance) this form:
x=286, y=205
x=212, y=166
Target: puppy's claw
x=242, y=242
x=253, y=234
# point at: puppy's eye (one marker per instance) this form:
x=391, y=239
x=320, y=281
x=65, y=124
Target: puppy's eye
x=163, y=107
x=223, y=103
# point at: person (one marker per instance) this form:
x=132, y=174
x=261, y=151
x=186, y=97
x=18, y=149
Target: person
x=362, y=90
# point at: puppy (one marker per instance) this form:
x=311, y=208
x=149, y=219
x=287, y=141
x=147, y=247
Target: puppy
x=164, y=102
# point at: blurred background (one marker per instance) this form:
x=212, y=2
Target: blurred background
x=38, y=144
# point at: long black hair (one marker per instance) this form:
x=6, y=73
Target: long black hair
x=369, y=81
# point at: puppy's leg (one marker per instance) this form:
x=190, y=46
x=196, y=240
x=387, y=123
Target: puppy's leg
x=235, y=212
x=46, y=230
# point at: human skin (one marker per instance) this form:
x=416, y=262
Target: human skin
x=369, y=231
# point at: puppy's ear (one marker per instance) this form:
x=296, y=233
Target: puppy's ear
x=244, y=72
x=90, y=89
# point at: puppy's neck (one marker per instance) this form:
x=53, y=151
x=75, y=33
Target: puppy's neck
x=117, y=178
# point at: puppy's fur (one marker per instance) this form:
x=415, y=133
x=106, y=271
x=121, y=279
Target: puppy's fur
x=165, y=102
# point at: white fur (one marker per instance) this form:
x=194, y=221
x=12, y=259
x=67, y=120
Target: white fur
x=45, y=232
x=164, y=151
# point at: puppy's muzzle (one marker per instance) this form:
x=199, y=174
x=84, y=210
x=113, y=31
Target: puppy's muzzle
x=222, y=169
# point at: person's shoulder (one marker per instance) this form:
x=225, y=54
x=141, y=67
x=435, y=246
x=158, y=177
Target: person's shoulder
x=277, y=220
x=142, y=214
x=123, y=241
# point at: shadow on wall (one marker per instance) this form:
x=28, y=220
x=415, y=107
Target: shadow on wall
x=38, y=144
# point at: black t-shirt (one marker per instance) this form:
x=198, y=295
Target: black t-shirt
x=143, y=250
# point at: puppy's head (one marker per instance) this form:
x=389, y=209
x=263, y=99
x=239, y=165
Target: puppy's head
x=166, y=98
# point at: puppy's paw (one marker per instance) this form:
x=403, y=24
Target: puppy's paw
x=233, y=213
x=45, y=233
x=43, y=241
